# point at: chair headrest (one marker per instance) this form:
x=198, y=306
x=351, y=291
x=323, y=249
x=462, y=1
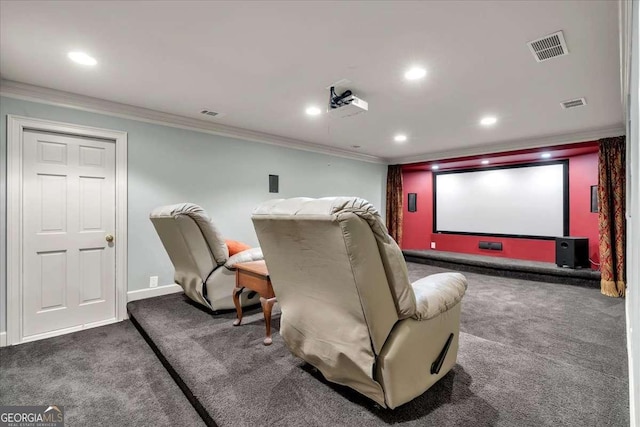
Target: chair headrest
x=390, y=253
x=210, y=232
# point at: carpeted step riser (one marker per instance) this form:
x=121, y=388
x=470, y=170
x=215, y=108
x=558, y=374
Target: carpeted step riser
x=514, y=271
x=165, y=363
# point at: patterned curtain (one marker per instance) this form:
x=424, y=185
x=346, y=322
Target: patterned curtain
x=394, y=202
x=611, y=215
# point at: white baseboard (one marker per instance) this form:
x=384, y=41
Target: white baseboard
x=153, y=292
x=131, y=296
x=70, y=330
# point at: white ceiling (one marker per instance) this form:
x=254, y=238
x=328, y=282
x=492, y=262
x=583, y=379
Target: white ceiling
x=263, y=63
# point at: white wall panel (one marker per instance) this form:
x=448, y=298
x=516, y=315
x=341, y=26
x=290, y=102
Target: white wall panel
x=53, y=206
x=52, y=152
x=91, y=275
x=91, y=203
x=53, y=279
x=91, y=156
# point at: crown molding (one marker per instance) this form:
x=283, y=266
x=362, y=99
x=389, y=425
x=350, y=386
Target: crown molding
x=518, y=144
x=27, y=92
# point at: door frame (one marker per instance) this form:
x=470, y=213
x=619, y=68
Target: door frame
x=16, y=126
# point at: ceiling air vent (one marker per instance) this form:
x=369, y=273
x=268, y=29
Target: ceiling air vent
x=548, y=47
x=572, y=103
x=209, y=113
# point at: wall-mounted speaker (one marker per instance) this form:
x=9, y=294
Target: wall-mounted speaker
x=594, y=199
x=413, y=202
x=273, y=183
x=572, y=252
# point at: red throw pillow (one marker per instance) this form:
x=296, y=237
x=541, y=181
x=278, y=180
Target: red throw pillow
x=235, y=247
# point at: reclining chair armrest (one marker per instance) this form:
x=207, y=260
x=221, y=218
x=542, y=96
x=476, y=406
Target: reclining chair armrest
x=438, y=293
x=253, y=254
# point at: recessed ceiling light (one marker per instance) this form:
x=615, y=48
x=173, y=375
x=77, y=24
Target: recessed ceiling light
x=488, y=121
x=82, y=58
x=435, y=167
x=313, y=111
x=485, y=162
x=400, y=138
x=545, y=155
x=415, y=73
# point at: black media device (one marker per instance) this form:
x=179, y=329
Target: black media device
x=494, y=246
x=572, y=252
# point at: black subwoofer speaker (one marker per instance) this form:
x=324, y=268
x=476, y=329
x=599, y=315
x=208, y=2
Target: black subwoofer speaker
x=572, y=252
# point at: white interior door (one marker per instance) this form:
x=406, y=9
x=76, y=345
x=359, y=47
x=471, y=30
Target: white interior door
x=68, y=219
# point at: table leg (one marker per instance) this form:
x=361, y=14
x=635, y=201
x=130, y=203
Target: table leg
x=267, y=305
x=236, y=302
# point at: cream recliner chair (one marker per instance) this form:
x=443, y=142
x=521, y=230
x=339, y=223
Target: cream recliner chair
x=200, y=255
x=347, y=305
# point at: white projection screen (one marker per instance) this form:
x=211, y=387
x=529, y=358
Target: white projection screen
x=528, y=201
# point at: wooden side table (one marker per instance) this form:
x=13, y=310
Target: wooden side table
x=255, y=276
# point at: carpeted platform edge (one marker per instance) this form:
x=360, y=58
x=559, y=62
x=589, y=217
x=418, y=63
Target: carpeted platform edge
x=197, y=405
x=501, y=271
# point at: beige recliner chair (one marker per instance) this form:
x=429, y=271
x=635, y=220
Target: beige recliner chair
x=200, y=255
x=347, y=305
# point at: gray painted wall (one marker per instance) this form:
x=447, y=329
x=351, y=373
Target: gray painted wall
x=228, y=177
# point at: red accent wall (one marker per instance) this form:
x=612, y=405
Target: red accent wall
x=418, y=226
x=583, y=173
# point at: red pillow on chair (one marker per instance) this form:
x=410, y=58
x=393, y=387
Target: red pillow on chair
x=235, y=247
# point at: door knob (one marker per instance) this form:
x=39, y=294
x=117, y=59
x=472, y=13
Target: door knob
x=108, y=238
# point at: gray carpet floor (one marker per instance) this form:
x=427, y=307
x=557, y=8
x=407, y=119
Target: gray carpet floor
x=531, y=354
x=107, y=376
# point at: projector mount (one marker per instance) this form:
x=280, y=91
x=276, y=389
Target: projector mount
x=337, y=101
x=346, y=104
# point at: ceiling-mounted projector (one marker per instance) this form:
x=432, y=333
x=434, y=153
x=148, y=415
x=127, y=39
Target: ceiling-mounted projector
x=346, y=104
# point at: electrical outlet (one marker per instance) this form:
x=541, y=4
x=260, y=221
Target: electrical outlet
x=153, y=281
x=433, y=245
